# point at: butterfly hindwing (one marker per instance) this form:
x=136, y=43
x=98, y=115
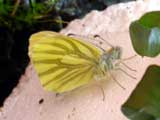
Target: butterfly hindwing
x=62, y=63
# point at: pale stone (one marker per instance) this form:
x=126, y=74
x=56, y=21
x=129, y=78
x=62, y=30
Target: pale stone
x=86, y=104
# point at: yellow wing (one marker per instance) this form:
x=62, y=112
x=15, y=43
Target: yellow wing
x=62, y=63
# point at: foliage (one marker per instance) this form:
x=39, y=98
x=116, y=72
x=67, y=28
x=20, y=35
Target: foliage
x=143, y=104
x=145, y=34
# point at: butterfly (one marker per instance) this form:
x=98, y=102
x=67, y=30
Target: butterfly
x=65, y=63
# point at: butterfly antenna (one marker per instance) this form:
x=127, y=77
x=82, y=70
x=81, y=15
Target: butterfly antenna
x=98, y=36
x=72, y=34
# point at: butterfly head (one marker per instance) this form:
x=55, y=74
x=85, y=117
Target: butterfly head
x=109, y=58
x=115, y=53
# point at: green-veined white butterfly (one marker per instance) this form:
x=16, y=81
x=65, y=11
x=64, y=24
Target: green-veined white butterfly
x=64, y=63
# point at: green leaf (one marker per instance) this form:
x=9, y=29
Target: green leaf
x=145, y=34
x=144, y=102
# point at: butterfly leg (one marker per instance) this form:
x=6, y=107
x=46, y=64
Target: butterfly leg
x=129, y=58
x=99, y=86
x=131, y=69
x=120, y=69
x=121, y=62
x=114, y=79
x=102, y=90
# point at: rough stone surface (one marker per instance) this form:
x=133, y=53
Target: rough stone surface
x=86, y=104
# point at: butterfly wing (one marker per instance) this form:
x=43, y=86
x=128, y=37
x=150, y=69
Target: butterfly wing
x=62, y=63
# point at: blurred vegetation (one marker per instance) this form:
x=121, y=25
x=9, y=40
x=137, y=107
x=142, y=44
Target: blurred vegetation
x=16, y=14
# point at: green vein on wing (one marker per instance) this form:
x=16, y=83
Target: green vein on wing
x=71, y=79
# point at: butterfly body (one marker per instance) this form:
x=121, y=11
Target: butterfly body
x=108, y=59
x=64, y=63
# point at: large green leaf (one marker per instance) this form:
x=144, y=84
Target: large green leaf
x=145, y=34
x=144, y=102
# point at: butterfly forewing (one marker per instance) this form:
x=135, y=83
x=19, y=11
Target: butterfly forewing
x=62, y=63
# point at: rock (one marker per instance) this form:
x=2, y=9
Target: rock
x=29, y=101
